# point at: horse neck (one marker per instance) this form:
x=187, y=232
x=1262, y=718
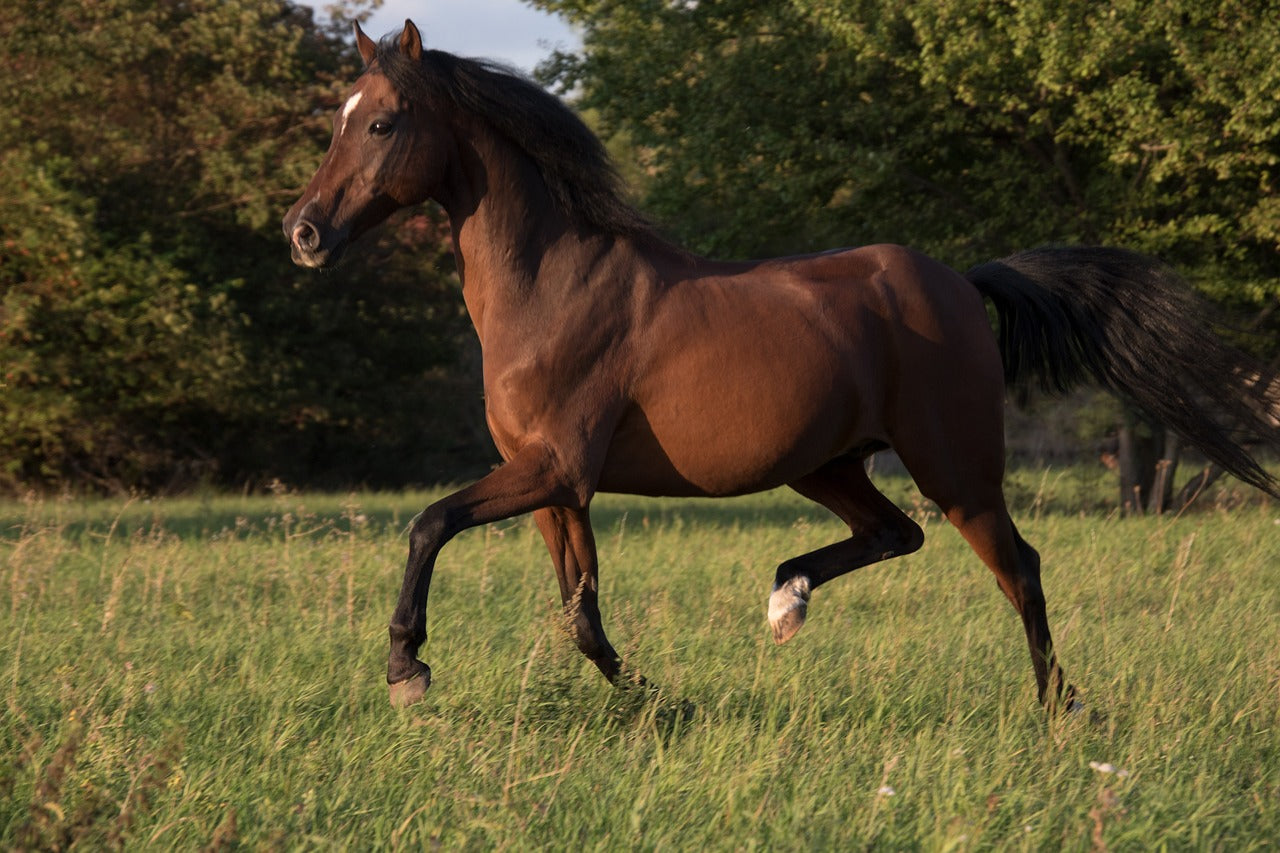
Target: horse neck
x=505, y=226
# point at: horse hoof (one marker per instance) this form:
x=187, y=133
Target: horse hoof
x=788, y=606
x=411, y=690
x=1065, y=705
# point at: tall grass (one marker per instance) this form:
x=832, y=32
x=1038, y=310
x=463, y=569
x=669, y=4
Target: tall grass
x=208, y=672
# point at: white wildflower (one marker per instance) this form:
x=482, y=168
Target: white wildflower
x=1108, y=767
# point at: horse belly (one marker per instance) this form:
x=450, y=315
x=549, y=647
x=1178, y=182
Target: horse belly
x=739, y=421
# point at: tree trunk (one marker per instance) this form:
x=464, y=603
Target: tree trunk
x=1141, y=449
x=1161, y=493
x=1148, y=460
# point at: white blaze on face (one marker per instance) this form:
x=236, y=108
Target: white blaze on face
x=348, y=109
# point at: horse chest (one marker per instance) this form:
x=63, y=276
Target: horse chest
x=559, y=399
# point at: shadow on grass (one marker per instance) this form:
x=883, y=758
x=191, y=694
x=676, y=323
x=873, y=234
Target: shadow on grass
x=1030, y=491
x=320, y=516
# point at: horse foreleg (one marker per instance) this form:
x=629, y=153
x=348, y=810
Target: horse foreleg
x=529, y=481
x=880, y=531
x=569, y=538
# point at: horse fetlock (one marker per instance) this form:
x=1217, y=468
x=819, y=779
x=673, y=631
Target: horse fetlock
x=788, y=606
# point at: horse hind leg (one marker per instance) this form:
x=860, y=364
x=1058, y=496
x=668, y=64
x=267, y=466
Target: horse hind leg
x=973, y=501
x=1016, y=565
x=879, y=530
x=949, y=432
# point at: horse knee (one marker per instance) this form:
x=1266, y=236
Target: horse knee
x=430, y=530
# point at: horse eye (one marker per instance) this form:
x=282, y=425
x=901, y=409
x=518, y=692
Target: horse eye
x=380, y=128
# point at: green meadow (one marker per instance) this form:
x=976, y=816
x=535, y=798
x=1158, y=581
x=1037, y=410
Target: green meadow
x=207, y=672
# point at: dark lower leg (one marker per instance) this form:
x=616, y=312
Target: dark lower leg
x=1016, y=565
x=408, y=628
x=572, y=546
x=859, y=550
x=1028, y=599
x=528, y=481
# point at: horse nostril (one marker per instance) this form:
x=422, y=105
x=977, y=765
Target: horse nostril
x=305, y=237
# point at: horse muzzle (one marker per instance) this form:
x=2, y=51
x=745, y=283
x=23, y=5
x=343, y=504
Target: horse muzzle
x=311, y=244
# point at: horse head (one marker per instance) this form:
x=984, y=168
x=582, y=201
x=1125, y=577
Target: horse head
x=387, y=153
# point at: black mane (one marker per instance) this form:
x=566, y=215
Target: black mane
x=573, y=163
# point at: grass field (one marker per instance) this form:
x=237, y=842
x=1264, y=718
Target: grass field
x=208, y=673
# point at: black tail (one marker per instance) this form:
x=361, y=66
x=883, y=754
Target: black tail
x=1069, y=315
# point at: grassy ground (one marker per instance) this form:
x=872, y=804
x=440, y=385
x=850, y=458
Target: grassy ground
x=209, y=672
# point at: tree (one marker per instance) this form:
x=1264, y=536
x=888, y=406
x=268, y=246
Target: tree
x=967, y=128
x=153, y=330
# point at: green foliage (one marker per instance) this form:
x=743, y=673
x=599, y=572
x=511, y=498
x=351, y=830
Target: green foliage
x=690, y=83
x=209, y=671
x=968, y=128
x=154, y=332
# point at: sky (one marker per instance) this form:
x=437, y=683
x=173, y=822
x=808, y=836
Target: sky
x=505, y=30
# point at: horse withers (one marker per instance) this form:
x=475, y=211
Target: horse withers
x=615, y=361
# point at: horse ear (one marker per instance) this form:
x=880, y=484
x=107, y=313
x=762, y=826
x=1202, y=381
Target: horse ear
x=411, y=41
x=365, y=44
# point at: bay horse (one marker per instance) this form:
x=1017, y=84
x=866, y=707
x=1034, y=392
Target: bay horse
x=615, y=361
